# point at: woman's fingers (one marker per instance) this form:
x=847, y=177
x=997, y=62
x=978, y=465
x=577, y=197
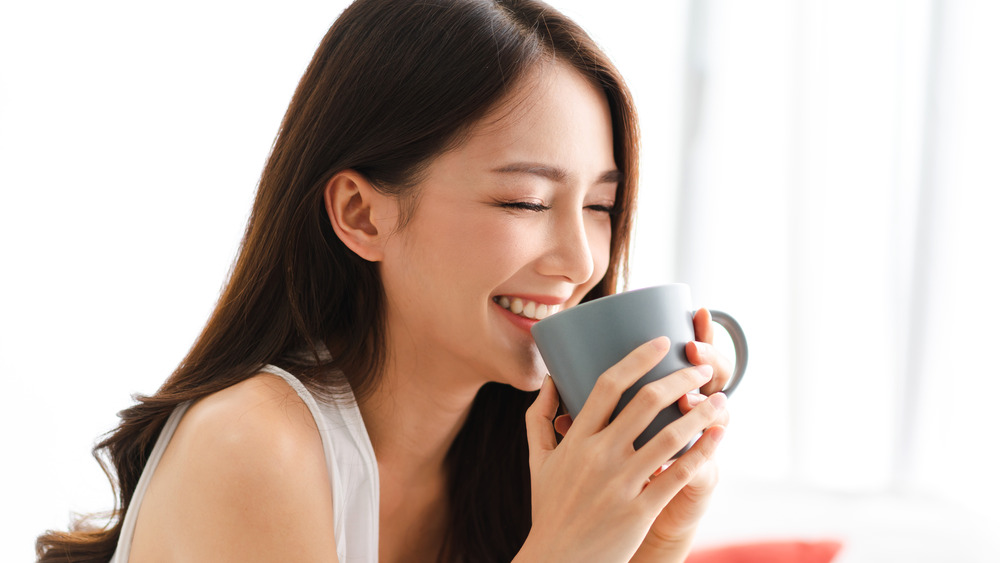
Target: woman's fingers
x=669, y=482
x=538, y=421
x=678, y=434
x=703, y=352
x=653, y=398
x=692, y=400
x=703, y=329
x=596, y=411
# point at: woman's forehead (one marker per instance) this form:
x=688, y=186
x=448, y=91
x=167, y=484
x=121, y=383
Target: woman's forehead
x=557, y=116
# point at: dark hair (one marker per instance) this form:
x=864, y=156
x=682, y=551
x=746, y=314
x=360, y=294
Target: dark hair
x=392, y=85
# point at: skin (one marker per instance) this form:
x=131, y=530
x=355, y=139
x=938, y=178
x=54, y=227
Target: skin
x=518, y=209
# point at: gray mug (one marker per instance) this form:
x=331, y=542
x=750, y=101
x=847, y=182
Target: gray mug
x=582, y=342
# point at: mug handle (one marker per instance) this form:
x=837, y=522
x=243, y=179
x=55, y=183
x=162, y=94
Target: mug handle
x=739, y=343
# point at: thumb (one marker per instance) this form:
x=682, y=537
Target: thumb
x=538, y=420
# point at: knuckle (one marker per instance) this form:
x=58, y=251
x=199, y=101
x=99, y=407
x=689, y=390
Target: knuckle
x=673, y=438
x=532, y=412
x=684, y=470
x=605, y=384
x=651, y=396
x=690, y=464
x=536, y=414
x=611, y=382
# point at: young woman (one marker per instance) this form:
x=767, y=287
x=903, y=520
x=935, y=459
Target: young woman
x=448, y=172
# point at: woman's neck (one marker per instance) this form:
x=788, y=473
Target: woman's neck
x=413, y=415
x=412, y=418
x=412, y=422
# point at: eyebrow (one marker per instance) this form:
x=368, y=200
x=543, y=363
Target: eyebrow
x=554, y=173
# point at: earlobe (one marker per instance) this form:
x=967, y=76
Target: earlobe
x=357, y=213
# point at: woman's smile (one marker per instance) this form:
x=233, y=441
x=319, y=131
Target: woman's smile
x=531, y=308
x=523, y=311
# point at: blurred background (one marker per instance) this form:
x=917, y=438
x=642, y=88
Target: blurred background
x=827, y=172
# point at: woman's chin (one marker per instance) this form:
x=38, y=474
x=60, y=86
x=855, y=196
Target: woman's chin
x=524, y=371
x=531, y=376
x=528, y=384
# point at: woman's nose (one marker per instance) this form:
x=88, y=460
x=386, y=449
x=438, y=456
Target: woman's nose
x=568, y=252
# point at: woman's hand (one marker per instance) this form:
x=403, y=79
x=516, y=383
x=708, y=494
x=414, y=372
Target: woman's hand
x=594, y=497
x=672, y=533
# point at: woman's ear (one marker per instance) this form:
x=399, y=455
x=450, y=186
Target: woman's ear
x=361, y=216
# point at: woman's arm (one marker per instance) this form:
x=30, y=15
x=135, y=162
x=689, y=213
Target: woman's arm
x=243, y=479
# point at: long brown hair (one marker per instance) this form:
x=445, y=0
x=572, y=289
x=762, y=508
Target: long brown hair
x=392, y=85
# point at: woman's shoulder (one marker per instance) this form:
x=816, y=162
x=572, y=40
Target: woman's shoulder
x=263, y=410
x=245, y=468
x=257, y=432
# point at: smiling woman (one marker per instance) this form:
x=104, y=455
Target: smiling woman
x=367, y=387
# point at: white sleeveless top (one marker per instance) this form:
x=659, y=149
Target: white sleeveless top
x=350, y=462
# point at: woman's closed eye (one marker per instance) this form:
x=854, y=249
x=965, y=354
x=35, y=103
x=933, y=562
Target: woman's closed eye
x=608, y=209
x=524, y=205
x=538, y=207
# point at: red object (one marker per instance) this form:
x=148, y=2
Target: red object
x=769, y=552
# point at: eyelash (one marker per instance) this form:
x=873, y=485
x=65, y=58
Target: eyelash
x=524, y=205
x=538, y=207
x=609, y=209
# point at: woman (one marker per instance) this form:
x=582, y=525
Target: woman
x=448, y=171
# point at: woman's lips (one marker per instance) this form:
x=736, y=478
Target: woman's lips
x=521, y=322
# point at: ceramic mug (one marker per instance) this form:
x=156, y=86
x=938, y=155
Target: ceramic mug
x=582, y=342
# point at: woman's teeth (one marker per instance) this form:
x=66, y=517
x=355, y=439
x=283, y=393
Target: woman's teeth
x=526, y=308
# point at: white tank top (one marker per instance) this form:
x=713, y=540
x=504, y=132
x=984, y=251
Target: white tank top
x=350, y=463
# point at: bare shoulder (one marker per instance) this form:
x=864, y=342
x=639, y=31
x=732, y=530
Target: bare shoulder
x=244, y=478
x=263, y=409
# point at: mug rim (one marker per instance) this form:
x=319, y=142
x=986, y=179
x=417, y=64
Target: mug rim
x=584, y=306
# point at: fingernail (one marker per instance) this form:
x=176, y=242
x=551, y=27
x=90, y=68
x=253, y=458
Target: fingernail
x=661, y=343
x=696, y=399
x=705, y=371
x=718, y=400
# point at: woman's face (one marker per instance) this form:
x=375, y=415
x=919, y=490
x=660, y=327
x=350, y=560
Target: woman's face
x=519, y=212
